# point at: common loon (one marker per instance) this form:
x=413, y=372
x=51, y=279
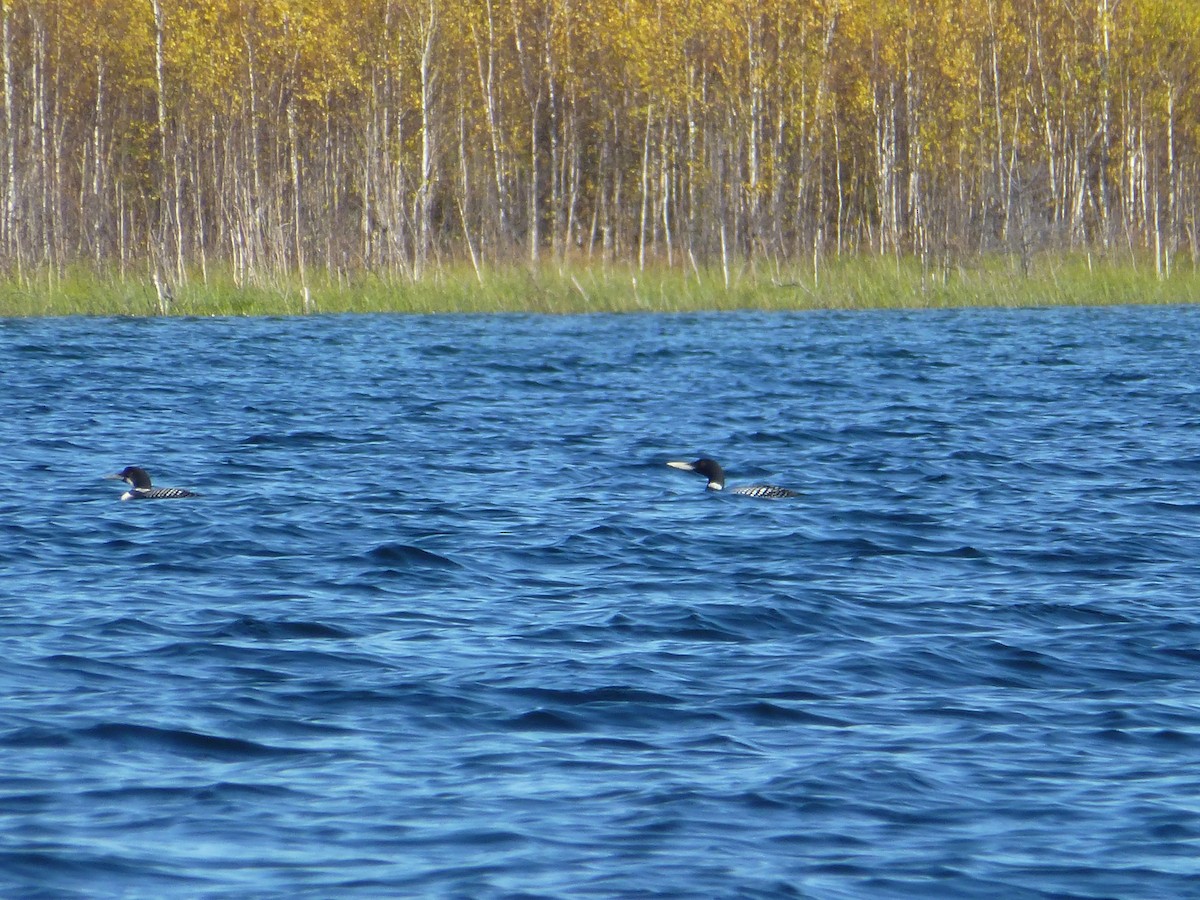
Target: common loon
x=140, y=489
x=712, y=470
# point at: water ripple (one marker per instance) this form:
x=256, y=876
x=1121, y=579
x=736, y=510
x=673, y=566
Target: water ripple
x=443, y=624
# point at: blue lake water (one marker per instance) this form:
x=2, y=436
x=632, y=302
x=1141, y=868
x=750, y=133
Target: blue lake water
x=444, y=624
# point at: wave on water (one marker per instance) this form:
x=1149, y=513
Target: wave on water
x=444, y=624
x=397, y=555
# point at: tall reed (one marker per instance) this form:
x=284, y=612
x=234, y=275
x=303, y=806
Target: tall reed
x=851, y=283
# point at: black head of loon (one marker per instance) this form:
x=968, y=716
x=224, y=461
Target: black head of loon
x=140, y=489
x=712, y=470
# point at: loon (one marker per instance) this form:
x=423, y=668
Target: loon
x=140, y=488
x=712, y=470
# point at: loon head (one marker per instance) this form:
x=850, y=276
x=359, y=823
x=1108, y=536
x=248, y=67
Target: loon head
x=136, y=477
x=709, y=468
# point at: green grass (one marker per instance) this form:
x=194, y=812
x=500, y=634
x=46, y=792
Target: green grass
x=849, y=283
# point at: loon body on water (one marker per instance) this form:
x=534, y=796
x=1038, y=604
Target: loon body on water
x=140, y=489
x=712, y=470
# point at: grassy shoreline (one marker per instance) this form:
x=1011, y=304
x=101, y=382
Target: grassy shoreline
x=858, y=283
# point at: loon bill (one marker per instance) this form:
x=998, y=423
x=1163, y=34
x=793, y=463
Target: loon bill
x=712, y=470
x=140, y=489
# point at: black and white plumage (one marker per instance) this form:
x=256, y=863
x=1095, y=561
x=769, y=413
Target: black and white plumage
x=712, y=470
x=140, y=488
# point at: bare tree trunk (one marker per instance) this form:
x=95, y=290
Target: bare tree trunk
x=572, y=159
x=199, y=212
x=42, y=143
x=1003, y=184
x=691, y=161
x=165, y=225
x=532, y=82
x=297, y=203
x=645, y=191
x=1172, y=186
x=464, y=191
x=553, y=134
x=58, y=190
x=885, y=168
x=250, y=203
x=752, y=202
x=98, y=180
x=665, y=189
x=8, y=226
x=913, y=105
x=1103, y=12
x=485, y=57
x=427, y=34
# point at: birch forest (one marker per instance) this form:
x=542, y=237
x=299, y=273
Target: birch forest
x=275, y=137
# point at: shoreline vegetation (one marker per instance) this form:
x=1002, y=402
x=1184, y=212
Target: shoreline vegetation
x=849, y=284
x=223, y=157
